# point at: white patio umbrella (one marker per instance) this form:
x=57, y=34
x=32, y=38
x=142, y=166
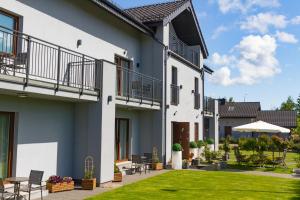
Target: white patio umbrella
x=261, y=127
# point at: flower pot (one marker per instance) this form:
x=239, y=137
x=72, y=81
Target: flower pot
x=177, y=159
x=211, y=147
x=195, y=152
x=60, y=187
x=88, y=184
x=200, y=151
x=118, y=177
x=157, y=166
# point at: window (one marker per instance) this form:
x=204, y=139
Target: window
x=231, y=108
x=174, y=76
x=123, y=65
x=196, y=85
x=196, y=132
x=122, y=139
x=196, y=94
x=8, y=23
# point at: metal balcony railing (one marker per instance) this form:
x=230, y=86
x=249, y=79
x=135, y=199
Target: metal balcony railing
x=197, y=101
x=175, y=94
x=135, y=85
x=28, y=57
x=209, y=105
x=182, y=49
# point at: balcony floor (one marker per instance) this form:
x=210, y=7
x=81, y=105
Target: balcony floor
x=137, y=103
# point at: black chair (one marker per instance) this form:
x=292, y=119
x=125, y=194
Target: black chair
x=34, y=183
x=148, y=161
x=136, y=164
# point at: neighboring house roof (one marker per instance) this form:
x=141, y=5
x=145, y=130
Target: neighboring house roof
x=159, y=12
x=239, y=109
x=154, y=12
x=279, y=118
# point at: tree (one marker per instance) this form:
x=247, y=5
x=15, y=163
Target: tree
x=289, y=104
x=298, y=106
x=230, y=99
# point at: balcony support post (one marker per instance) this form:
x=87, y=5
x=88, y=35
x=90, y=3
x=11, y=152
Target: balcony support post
x=58, y=69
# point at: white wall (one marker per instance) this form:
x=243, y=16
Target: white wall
x=43, y=135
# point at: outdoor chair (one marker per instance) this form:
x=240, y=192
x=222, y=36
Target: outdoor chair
x=137, y=164
x=34, y=183
x=11, y=63
x=4, y=194
x=240, y=158
x=281, y=160
x=148, y=161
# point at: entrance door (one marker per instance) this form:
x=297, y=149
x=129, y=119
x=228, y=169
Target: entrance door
x=228, y=131
x=181, y=135
x=122, y=140
x=196, y=132
x=6, y=143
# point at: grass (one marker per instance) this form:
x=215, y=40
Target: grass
x=186, y=184
x=289, y=161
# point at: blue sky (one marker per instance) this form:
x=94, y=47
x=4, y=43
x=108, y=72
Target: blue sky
x=254, y=47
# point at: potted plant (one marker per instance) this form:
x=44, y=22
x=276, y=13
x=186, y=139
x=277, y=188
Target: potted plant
x=156, y=164
x=193, y=149
x=169, y=164
x=176, y=156
x=117, y=174
x=88, y=182
x=200, y=145
x=210, y=142
x=59, y=184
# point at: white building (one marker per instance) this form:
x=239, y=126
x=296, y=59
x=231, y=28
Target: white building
x=81, y=78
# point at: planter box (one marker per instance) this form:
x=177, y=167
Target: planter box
x=157, y=166
x=60, y=187
x=88, y=184
x=211, y=147
x=177, y=159
x=118, y=177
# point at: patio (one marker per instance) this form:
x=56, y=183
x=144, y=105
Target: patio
x=81, y=194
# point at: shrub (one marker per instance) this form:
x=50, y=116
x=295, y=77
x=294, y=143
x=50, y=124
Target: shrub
x=248, y=144
x=207, y=154
x=116, y=169
x=210, y=141
x=226, y=145
x=200, y=144
x=176, y=147
x=155, y=158
x=297, y=160
x=193, y=145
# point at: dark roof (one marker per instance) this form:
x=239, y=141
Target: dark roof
x=207, y=69
x=279, y=118
x=154, y=12
x=239, y=109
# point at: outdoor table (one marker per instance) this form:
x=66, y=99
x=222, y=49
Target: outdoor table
x=17, y=182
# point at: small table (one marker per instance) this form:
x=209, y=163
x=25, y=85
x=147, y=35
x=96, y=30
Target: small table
x=17, y=182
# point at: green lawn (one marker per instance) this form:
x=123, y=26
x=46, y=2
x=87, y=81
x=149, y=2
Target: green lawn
x=186, y=184
x=289, y=161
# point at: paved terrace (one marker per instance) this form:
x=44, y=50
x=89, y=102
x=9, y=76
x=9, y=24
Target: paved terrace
x=82, y=194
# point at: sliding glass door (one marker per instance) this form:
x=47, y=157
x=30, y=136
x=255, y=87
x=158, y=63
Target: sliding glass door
x=6, y=134
x=122, y=139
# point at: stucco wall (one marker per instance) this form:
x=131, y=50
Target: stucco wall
x=44, y=132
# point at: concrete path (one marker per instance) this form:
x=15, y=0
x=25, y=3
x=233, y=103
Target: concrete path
x=82, y=194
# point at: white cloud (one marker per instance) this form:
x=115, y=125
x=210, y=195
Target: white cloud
x=244, y=6
x=286, y=37
x=202, y=14
x=256, y=61
x=222, y=60
x=218, y=31
x=295, y=20
x=263, y=21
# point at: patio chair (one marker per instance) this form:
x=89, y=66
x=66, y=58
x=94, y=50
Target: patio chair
x=148, y=161
x=12, y=63
x=34, y=183
x=137, y=164
x=4, y=194
x=281, y=160
x=240, y=158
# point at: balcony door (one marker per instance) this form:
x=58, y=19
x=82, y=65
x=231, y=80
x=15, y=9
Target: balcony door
x=8, y=23
x=123, y=65
x=122, y=140
x=6, y=144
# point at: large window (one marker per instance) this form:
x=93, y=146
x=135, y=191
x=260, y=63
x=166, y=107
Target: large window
x=8, y=23
x=123, y=65
x=122, y=140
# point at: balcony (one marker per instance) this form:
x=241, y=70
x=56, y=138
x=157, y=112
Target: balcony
x=197, y=101
x=134, y=86
x=209, y=106
x=185, y=51
x=27, y=60
x=175, y=94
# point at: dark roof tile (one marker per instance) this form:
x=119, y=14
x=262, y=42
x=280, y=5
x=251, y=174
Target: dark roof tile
x=239, y=109
x=154, y=12
x=280, y=118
